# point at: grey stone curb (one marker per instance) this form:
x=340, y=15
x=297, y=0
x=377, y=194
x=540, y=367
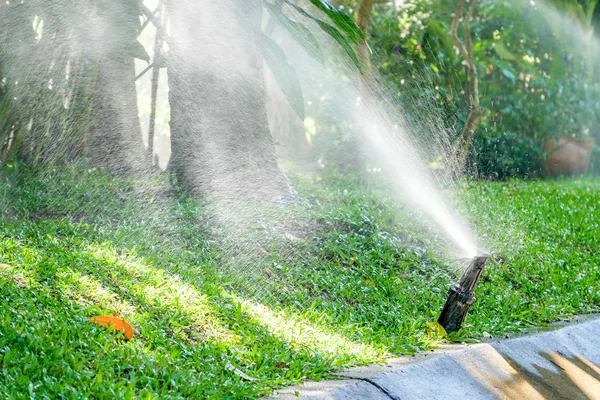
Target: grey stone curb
x=564, y=363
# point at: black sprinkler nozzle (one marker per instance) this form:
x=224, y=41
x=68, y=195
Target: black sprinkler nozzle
x=461, y=297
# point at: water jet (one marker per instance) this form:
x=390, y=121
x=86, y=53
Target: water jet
x=462, y=296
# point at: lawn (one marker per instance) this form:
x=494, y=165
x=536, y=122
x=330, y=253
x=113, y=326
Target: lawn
x=358, y=283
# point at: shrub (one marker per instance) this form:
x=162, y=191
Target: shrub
x=498, y=155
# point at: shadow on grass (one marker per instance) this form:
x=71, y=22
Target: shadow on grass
x=187, y=331
x=95, y=245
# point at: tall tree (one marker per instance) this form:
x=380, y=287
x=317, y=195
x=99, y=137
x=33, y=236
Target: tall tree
x=116, y=140
x=70, y=72
x=221, y=144
x=466, y=51
x=363, y=20
x=42, y=77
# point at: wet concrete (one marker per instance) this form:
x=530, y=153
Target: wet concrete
x=559, y=364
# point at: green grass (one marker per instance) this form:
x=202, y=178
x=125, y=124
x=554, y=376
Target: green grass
x=361, y=286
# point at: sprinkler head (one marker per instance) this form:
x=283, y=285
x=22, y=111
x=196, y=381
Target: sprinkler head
x=462, y=296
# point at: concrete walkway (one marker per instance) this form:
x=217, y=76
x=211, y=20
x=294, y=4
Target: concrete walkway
x=560, y=364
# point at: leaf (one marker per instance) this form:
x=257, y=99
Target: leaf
x=434, y=329
x=301, y=33
x=137, y=50
x=230, y=367
x=440, y=32
x=284, y=74
x=507, y=73
x=558, y=68
x=340, y=19
x=507, y=69
x=503, y=52
x=115, y=323
x=334, y=33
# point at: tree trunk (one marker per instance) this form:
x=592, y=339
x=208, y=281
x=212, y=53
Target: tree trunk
x=363, y=20
x=116, y=137
x=287, y=128
x=466, y=50
x=221, y=144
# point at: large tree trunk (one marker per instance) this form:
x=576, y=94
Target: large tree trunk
x=287, y=128
x=221, y=144
x=116, y=137
x=116, y=140
x=363, y=20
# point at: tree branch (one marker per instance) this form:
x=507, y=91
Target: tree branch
x=467, y=52
x=159, y=27
x=363, y=20
x=147, y=21
x=454, y=28
x=158, y=43
x=363, y=15
x=474, y=81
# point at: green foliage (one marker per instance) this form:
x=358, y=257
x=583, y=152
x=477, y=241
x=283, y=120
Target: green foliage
x=340, y=19
x=338, y=37
x=547, y=85
x=275, y=57
x=298, y=31
x=137, y=50
x=505, y=155
x=536, y=73
x=537, y=77
x=284, y=73
x=50, y=54
x=76, y=243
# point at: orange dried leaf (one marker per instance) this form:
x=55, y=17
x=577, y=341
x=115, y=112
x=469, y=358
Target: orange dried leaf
x=115, y=323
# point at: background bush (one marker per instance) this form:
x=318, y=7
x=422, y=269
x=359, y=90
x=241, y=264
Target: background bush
x=538, y=78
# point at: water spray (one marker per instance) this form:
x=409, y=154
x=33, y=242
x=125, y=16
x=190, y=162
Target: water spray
x=462, y=296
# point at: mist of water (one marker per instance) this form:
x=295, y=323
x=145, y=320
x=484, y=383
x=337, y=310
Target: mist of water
x=253, y=235
x=402, y=151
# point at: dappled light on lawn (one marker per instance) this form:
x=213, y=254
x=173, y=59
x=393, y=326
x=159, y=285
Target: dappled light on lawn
x=256, y=193
x=300, y=332
x=347, y=294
